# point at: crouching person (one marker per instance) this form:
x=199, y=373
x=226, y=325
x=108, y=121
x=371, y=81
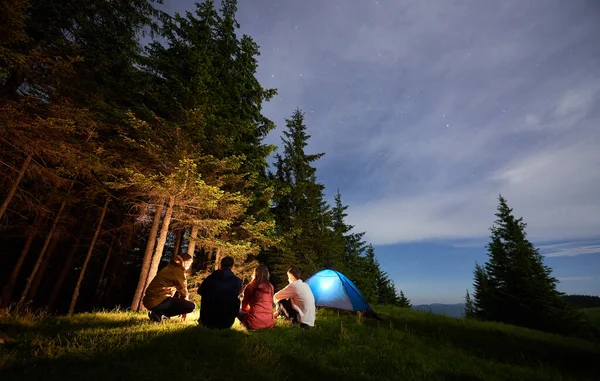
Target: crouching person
x=296, y=301
x=159, y=294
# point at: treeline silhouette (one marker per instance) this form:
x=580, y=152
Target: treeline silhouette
x=582, y=301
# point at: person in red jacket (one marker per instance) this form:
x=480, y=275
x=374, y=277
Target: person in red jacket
x=257, y=304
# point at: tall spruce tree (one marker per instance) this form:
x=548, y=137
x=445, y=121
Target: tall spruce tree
x=386, y=290
x=358, y=260
x=201, y=51
x=374, y=283
x=365, y=268
x=483, y=298
x=350, y=245
x=302, y=217
x=514, y=286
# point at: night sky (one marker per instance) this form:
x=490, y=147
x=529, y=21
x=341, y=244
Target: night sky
x=427, y=110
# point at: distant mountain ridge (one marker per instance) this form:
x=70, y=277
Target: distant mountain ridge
x=456, y=310
x=452, y=310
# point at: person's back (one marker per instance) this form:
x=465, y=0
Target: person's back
x=296, y=301
x=258, y=305
x=220, y=303
x=305, y=301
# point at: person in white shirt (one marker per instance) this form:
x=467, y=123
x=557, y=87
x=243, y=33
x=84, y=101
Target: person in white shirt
x=296, y=301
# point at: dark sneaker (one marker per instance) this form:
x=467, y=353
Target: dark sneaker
x=154, y=317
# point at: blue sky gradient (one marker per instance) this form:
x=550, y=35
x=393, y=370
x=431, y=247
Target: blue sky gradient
x=428, y=109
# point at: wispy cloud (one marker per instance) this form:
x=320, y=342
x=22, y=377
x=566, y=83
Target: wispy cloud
x=474, y=115
x=575, y=278
x=546, y=188
x=428, y=111
x=569, y=249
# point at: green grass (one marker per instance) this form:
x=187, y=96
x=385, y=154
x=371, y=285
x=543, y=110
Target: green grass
x=592, y=315
x=406, y=345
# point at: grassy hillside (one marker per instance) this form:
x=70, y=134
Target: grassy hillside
x=592, y=315
x=406, y=345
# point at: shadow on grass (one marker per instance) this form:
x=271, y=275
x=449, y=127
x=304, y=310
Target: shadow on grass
x=192, y=352
x=448, y=376
x=576, y=357
x=54, y=325
x=188, y=354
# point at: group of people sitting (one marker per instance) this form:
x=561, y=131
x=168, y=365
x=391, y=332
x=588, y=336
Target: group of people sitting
x=167, y=295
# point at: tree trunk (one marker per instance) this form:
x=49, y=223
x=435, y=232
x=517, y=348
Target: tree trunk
x=191, y=249
x=87, y=259
x=206, y=257
x=43, y=251
x=192, y=242
x=114, y=271
x=210, y=255
x=15, y=185
x=40, y=274
x=110, y=248
x=217, y=258
x=137, y=296
x=177, y=246
x=160, y=245
x=14, y=275
x=69, y=262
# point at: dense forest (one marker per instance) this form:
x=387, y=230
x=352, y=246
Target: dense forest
x=116, y=156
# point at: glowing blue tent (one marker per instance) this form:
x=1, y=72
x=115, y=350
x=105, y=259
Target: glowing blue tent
x=332, y=289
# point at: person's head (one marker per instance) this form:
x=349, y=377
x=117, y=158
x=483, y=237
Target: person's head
x=293, y=274
x=261, y=274
x=226, y=263
x=184, y=260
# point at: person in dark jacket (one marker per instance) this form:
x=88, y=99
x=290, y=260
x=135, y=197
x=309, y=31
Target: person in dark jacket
x=220, y=297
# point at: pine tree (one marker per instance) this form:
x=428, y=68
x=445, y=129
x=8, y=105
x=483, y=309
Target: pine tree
x=366, y=269
x=337, y=256
x=386, y=290
x=356, y=259
x=469, y=312
x=483, y=296
x=350, y=245
x=514, y=286
x=201, y=51
x=302, y=217
x=403, y=301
